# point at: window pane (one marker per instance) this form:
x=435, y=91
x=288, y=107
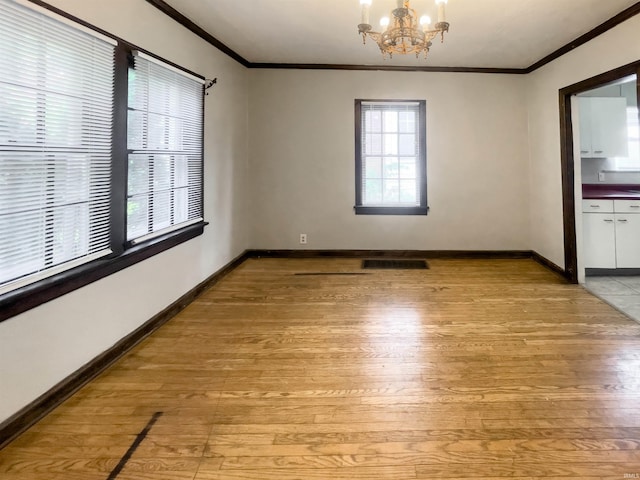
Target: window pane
x=70, y=231
x=407, y=122
x=408, y=168
x=373, y=192
x=373, y=167
x=181, y=171
x=391, y=193
x=136, y=122
x=138, y=174
x=390, y=121
x=162, y=175
x=161, y=210
x=391, y=167
x=24, y=252
x=181, y=208
x=408, y=191
x=633, y=130
x=137, y=216
x=373, y=121
x=19, y=123
x=390, y=144
x=408, y=145
x=373, y=144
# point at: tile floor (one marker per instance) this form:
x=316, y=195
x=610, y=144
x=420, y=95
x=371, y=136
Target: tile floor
x=621, y=292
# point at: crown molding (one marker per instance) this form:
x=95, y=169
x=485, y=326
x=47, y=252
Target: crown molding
x=621, y=17
x=387, y=68
x=614, y=21
x=168, y=10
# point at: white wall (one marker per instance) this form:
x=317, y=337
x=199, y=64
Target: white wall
x=44, y=345
x=613, y=49
x=302, y=161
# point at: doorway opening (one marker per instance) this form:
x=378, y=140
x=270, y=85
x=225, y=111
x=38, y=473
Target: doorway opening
x=573, y=159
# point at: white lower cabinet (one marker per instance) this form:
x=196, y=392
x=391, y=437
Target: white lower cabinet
x=599, y=240
x=611, y=240
x=627, y=240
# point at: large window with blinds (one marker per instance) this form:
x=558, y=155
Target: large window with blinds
x=56, y=102
x=391, y=170
x=165, y=149
x=101, y=158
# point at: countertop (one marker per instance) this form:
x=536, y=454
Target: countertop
x=611, y=192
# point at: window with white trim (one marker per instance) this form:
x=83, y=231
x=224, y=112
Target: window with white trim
x=391, y=157
x=56, y=102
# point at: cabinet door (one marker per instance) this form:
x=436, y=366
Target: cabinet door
x=627, y=240
x=599, y=240
x=585, y=126
x=609, y=127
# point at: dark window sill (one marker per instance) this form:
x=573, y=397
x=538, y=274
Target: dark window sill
x=30, y=296
x=361, y=210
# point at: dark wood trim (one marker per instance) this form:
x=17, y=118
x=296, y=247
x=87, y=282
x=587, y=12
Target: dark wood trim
x=30, y=296
x=167, y=9
x=18, y=423
x=545, y=262
x=614, y=21
x=463, y=254
x=120, y=156
x=568, y=188
x=599, y=30
x=602, y=79
x=386, y=68
x=362, y=210
x=567, y=157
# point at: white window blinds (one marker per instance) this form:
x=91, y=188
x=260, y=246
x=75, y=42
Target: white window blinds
x=165, y=149
x=56, y=102
x=391, y=154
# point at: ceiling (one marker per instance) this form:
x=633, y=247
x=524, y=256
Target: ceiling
x=483, y=34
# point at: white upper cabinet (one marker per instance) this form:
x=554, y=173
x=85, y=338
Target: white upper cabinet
x=603, y=127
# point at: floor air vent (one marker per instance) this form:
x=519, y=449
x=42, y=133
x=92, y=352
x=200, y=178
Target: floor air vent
x=395, y=264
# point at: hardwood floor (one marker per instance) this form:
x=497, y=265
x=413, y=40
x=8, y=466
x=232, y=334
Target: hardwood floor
x=474, y=369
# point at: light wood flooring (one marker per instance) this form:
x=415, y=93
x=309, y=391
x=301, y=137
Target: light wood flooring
x=474, y=369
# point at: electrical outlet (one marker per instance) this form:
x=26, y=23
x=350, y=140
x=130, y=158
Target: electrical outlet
x=303, y=239
x=601, y=176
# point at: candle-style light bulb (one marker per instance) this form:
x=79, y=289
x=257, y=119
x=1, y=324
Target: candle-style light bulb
x=425, y=22
x=441, y=16
x=365, y=11
x=384, y=23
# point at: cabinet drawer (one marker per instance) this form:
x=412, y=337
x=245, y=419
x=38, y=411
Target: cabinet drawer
x=626, y=206
x=603, y=206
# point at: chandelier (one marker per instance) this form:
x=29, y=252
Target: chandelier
x=404, y=33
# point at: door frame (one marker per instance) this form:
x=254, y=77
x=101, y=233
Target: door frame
x=567, y=157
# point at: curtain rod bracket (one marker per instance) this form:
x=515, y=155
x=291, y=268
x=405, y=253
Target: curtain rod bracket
x=210, y=84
